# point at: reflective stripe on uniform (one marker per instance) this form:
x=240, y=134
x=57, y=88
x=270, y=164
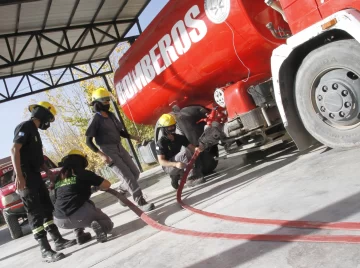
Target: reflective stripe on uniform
x=46, y=224
x=38, y=230
x=65, y=182
x=137, y=189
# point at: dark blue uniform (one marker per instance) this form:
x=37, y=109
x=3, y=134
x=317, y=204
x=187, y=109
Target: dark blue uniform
x=35, y=196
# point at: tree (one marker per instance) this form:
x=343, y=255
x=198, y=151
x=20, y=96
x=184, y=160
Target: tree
x=72, y=103
x=71, y=123
x=145, y=132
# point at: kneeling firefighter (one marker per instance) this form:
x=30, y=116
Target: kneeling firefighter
x=73, y=207
x=28, y=160
x=174, y=152
x=107, y=129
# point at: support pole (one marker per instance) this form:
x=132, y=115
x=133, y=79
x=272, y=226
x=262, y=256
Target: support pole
x=118, y=115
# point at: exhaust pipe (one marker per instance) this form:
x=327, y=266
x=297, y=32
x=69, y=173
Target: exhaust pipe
x=275, y=33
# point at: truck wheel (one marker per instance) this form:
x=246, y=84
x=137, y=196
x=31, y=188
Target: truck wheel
x=13, y=225
x=327, y=93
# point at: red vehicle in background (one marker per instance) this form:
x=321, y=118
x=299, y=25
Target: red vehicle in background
x=252, y=69
x=11, y=206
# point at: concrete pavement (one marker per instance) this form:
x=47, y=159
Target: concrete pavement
x=319, y=185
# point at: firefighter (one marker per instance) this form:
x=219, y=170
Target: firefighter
x=73, y=207
x=107, y=129
x=172, y=157
x=28, y=160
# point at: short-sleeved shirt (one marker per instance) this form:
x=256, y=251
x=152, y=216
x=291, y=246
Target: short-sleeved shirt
x=105, y=130
x=71, y=193
x=31, y=152
x=169, y=148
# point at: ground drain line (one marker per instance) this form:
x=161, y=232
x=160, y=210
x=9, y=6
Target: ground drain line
x=282, y=223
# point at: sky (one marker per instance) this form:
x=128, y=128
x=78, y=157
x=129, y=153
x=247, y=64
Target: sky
x=14, y=112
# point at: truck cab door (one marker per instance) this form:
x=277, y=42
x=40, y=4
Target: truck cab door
x=301, y=14
x=328, y=7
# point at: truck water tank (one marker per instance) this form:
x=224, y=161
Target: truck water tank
x=191, y=48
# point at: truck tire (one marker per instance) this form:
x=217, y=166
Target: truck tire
x=327, y=94
x=13, y=225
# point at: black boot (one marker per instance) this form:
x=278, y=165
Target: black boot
x=101, y=236
x=145, y=206
x=47, y=253
x=60, y=242
x=175, y=181
x=123, y=193
x=193, y=181
x=81, y=236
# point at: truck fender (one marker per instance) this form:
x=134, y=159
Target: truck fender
x=286, y=60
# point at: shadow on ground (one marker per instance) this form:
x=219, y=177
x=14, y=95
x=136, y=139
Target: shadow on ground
x=287, y=154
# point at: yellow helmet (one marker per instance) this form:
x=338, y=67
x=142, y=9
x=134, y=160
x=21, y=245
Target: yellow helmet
x=167, y=120
x=100, y=94
x=76, y=152
x=45, y=105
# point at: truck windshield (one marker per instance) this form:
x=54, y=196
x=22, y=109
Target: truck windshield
x=49, y=164
x=6, y=178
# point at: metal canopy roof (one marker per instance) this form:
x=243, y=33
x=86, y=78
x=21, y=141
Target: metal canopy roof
x=45, y=35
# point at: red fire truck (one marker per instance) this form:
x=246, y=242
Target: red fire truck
x=250, y=69
x=11, y=206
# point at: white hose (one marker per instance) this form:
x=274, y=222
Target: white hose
x=233, y=41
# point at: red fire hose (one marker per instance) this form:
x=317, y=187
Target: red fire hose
x=282, y=223
x=250, y=237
